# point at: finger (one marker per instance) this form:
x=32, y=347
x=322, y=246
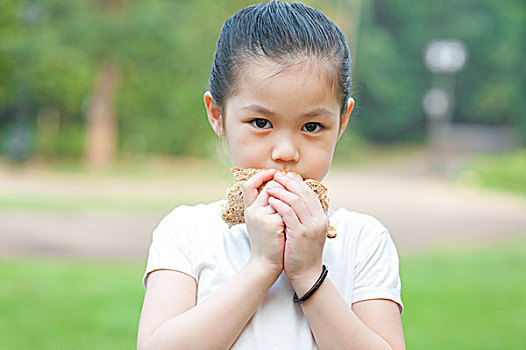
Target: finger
x=292, y=200
x=262, y=198
x=287, y=213
x=275, y=217
x=298, y=187
x=268, y=210
x=291, y=183
x=250, y=188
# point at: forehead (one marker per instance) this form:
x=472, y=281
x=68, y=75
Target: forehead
x=311, y=78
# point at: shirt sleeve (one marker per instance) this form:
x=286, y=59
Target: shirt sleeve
x=170, y=247
x=377, y=270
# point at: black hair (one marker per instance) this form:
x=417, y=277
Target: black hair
x=282, y=32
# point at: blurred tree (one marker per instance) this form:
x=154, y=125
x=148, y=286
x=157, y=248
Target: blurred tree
x=38, y=52
x=101, y=133
x=391, y=74
x=53, y=51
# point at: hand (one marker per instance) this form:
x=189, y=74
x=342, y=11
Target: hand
x=265, y=226
x=305, y=228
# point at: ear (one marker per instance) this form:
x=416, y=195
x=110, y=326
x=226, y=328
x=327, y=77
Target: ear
x=214, y=114
x=346, y=117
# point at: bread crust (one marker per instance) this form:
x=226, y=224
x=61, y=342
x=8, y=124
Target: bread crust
x=233, y=211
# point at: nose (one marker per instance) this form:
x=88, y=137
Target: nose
x=285, y=150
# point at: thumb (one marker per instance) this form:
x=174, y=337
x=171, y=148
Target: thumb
x=250, y=188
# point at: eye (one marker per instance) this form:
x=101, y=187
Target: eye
x=312, y=127
x=261, y=123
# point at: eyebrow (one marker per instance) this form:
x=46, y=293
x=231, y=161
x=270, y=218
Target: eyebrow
x=314, y=113
x=319, y=111
x=258, y=109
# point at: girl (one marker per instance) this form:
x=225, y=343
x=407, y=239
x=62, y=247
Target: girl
x=279, y=95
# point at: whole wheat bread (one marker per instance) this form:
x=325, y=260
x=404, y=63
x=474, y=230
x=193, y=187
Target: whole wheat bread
x=233, y=211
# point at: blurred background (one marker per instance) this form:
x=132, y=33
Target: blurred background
x=103, y=131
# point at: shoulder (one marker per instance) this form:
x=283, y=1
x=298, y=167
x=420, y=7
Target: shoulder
x=194, y=214
x=360, y=233
x=212, y=208
x=359, y=225
x=190, y=220
x=180, y=232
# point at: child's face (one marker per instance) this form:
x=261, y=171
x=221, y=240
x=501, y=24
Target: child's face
x=281, y=117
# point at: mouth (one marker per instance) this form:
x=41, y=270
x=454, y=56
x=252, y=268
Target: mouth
x=245, y=173
x=293, y=172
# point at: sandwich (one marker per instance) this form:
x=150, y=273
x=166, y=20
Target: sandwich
x=233, y=211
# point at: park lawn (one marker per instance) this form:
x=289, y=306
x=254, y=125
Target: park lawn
x=454, y=299
x=62, y=304
x=466, y=298
x=77, y=203
x=503, y=172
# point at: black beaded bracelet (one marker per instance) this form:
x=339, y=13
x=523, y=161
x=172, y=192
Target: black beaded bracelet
x=313, y=289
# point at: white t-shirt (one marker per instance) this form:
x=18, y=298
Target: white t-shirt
x=362, y=262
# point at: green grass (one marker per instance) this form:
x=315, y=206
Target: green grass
x=76, y=203
x=466, y=299
x=135, y=173
x=505, y=172
x=353, y=151
x=69, y=305
x=461, y=299
x=153, y=166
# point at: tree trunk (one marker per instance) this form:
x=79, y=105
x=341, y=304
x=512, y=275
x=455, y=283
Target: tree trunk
x=101, y=135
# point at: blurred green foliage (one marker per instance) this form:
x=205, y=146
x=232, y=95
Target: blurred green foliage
x=51, y=52
x=392, y=77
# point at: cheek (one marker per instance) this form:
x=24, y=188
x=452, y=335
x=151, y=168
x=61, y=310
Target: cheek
x=247, y=153
x=322, y=158
x=319, y=158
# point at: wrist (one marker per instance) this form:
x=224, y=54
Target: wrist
x=264, y=269
x=301, y=283
x=313, y=289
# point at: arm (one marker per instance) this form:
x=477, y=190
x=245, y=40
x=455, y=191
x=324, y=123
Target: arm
x=370, y=324
x=170, y=317
x=335, y=325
